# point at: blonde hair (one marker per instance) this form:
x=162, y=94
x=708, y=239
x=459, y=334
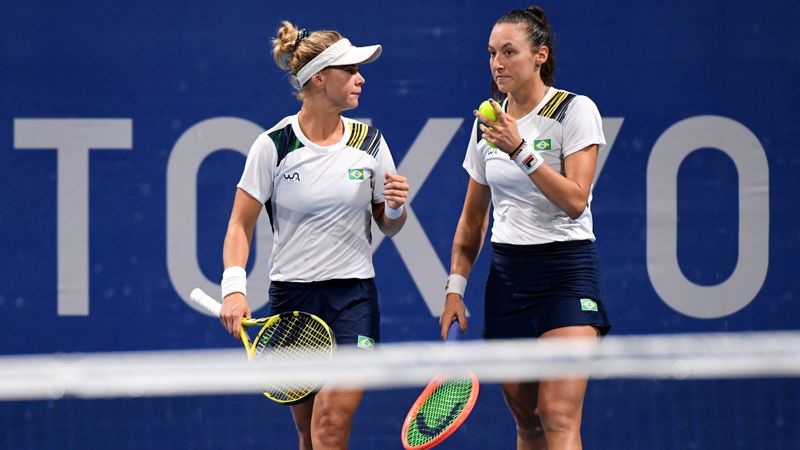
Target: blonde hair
x=291, y=55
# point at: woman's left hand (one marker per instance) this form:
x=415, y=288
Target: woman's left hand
x=395, y=190
x=503, y=132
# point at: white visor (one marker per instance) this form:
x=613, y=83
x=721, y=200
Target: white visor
x=341, y=53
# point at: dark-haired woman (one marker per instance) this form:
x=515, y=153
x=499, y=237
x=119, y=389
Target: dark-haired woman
x=324, y=178
x=535, y=167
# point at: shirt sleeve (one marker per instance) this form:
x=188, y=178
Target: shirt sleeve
x=474, y=164
x=583, y=126
x=385, y=165
x=259, y=169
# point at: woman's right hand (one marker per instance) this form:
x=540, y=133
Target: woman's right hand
x=453, y=310
x=234, y=309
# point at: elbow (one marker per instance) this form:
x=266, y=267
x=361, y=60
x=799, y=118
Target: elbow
x=574, y=211
x=574, y=214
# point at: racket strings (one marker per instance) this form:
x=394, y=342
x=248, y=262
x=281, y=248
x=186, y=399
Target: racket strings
x=440, y=410
x=296, y=338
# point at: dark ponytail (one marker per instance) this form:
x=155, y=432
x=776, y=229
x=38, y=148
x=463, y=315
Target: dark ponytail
x=539, y=33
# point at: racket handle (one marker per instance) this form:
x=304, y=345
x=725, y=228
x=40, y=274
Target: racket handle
x=453, y=331
x=203, y=300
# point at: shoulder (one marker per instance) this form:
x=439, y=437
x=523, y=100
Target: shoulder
x=583, y=103
x=282, y=137
x=363, y=137
x=263, y=142
x=283, y=127
x=556, y=107
x=582, y=112
x=564, y=103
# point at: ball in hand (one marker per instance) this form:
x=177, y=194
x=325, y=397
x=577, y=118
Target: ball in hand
x=488, y=111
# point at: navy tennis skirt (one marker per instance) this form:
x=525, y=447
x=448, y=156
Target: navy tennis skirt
x=532, y=289
x=349, y=307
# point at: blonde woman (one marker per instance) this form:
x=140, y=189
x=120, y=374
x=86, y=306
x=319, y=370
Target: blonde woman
x=322, y=178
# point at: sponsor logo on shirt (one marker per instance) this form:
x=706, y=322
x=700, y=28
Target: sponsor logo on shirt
x=355, y=174
x=294, y=177
x=542, y=144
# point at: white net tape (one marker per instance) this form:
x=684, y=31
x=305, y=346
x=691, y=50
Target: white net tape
x=195, y=372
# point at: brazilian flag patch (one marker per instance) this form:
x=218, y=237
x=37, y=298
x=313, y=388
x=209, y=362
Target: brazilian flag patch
x=355, y=174
x=365, y=342
x=542, y=144
x=588, y=304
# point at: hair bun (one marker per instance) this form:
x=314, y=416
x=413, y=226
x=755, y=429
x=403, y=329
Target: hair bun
x=537, y=13
x=284, y=44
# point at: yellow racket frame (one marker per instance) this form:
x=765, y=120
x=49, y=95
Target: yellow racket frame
x=323, y=342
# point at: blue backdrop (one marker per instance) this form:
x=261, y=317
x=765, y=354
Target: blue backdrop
x=122, y=132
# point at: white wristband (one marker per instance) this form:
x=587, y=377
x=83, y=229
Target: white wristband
x=234, y=279
x=528, y=159
x=456, y=283
x=393, y=214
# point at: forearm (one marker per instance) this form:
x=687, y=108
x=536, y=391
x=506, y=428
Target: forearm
x=568, y=190
x=389, y=226
x=471, y=228
x=235, y=251
x=467, y=244
x=236, y=248
x=566, y=194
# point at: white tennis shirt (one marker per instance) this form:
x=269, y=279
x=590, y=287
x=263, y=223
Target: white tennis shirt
x=560, y=125
x=319, y=199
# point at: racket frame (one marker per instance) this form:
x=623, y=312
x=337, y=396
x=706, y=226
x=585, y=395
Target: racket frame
x=425, y=395
x=214, y=307
x=430, y=388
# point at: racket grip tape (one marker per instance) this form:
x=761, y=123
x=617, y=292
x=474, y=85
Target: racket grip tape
x=203, y=300
x=453, y=331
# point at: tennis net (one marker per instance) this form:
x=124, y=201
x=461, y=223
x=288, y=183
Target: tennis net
x=704, y=391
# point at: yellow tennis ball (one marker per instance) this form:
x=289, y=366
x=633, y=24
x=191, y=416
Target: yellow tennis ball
x=486, y=109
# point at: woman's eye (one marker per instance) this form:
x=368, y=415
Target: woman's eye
x=352, y=70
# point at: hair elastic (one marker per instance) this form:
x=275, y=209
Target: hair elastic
x=302, y=34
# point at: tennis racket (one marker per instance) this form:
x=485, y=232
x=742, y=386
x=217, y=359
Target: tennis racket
x=441, y=408
x=292, y=335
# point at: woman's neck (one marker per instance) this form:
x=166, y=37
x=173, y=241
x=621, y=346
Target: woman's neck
x=321, y=126
x=525, y=99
